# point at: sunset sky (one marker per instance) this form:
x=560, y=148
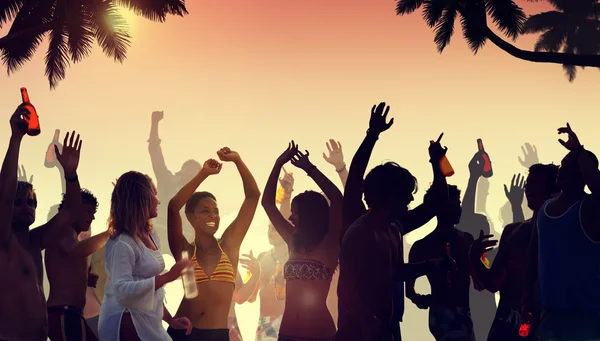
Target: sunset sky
x=253, y=75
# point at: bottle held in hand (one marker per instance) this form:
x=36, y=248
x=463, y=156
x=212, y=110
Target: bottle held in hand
x=189, y=282
x=33, y=128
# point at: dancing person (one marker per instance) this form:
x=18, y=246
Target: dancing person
x=22, y=301
x=567, y=234
x=508, y=271
x=215, y=262
x=132, y=308
x=67, y=269
x=448, y=303
x=313, y=239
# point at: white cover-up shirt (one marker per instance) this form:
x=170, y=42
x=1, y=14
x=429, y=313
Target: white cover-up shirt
x=131, y=268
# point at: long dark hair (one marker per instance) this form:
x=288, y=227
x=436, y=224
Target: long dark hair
x=313, y=212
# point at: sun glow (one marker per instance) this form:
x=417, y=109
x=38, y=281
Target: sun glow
x=130, y=18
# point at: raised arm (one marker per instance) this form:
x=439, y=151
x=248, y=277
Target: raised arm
x=336, y=159
x=490, y=279
x=475, y=172
x=8, y=174
x=331, y=191
x=353, y=206
x=85, y=248
x=174, y=222
x=247, y=290
x=287, y=183
x=50, y=233
x=279, y=221
x=156, y=155
x=423, y=213
x=515, y=196
x=589, y=170
x=236, y=231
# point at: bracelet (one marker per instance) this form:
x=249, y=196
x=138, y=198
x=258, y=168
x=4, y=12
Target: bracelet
x=372, y=134
x=73, y=179
x=341, y=169
x=312, y=168
x=153, y=140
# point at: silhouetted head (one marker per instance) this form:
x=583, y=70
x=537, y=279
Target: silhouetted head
x=569, y=178
x=24, y=206
x=87, y=213
x=390, y=186
x=188, y=170
x=541, y=183
x=310, y=217
x=202, y=212
x=452, y=211
x=273, y=235
x=133, y=203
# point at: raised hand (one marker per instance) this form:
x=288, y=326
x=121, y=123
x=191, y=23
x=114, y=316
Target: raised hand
x=69, y=157
x=336, y=156
x=378, y=122
x=287, y=154
x=251, y=264
x=18, y=121
x=157, y=116
x=287, y=181
x=573, y=142
x=227, y=155
x=517, y=190
x=482, y=245
x=530, y=156
x=436, y=151
x=301, y=161
x=211, y=167
x=476, y=165
x=22, y=175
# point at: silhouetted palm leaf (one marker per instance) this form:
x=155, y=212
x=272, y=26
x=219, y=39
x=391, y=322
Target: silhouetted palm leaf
x=78, y=25
x=20, y=51
x=444, y=29
x=154, y=10
x=8, y=10
x=472, y=20
x=407, y=6
x=570, y=70
x=507, y=16
x=542, y=22
x=57, y=57
x=433, y=10
x=110, y=29
x=551, y=40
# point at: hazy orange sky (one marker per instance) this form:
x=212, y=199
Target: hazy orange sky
x=253, y=75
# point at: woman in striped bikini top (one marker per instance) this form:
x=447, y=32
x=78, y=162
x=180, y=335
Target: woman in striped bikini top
x=215, y=261
x=312, y=236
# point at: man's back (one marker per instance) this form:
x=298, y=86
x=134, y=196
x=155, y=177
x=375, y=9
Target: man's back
x=22, y=303
x=368, y=266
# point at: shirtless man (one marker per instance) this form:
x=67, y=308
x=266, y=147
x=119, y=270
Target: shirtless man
x=509, y=268
x=67, y=269
x=448, y=303
x=567, y=242
x=22, y=302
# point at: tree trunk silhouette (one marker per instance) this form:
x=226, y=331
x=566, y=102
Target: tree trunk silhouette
x=11, y=37
x=543, y=57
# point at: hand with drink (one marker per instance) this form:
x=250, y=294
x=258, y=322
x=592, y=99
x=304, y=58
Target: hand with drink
x=476, y=166
x=22, y=175
x=251, y=264
x=33, y=121
x=287, y=181
x=18, y=122
x=516, y=193
x=179, y=267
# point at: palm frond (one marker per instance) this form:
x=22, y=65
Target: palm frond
x=507, y=16
x=543, y=22
x=57, y=57
x=444, y=29
x=473, y=22
x=551, y=40
x=587, y=38
x=79, y=30
x=29, y=25
x=570, y=47
x=8, y=10
x=110, y=29
x=155, y=10
x=407, y=6
x=433, y=10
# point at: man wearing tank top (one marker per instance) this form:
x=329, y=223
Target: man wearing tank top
x=567, y=242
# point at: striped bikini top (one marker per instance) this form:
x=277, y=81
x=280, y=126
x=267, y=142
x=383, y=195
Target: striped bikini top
x=223, y=272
